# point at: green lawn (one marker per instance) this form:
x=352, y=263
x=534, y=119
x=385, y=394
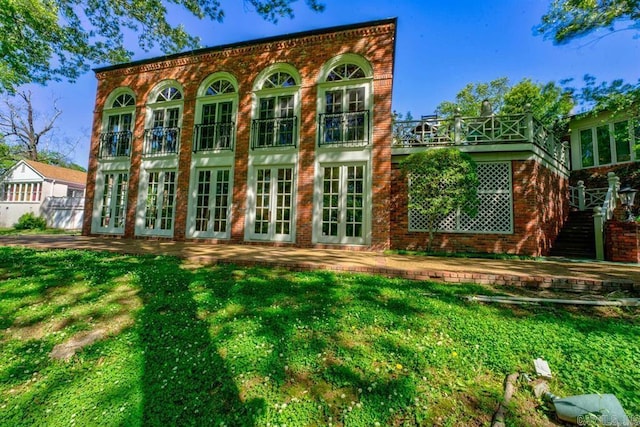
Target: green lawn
x=254, y=346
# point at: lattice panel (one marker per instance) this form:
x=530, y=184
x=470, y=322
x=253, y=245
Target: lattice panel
x=495, y=210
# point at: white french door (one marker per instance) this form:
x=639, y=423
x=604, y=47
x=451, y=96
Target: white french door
x=344, y=219
x=273, y=210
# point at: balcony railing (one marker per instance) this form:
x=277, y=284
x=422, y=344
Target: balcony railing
x=515, y=128
x=349, y=129
x=272, y=133
x=161, y=141
x=115, y=144
x=213, y=137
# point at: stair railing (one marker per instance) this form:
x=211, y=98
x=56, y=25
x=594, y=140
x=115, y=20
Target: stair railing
x=601, y=214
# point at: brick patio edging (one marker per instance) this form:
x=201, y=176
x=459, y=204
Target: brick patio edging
x=569, y=284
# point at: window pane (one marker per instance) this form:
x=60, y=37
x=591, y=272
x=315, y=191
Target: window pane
x=604, y=145
x=622, y=140
x=586, y=147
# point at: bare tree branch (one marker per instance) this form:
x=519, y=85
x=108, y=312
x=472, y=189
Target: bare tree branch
x=20, y=123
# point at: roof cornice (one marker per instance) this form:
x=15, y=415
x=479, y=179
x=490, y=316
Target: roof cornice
x=280, y=42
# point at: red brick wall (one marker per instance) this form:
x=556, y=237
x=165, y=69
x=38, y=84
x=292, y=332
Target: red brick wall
x=622, y=241
x=540, y=207
x=307, y=54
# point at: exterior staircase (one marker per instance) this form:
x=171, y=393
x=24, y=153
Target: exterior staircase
x=577, y=237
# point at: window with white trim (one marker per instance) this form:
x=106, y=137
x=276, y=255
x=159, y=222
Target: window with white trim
x=159, y=206
x=116, y=138
x=272, y=213
x=344, y=118
x=215, y=120
x=212, y=202
x=162, y=135
x=609, y=143
x=22, y=192
x=275, y=123
x=113, y=201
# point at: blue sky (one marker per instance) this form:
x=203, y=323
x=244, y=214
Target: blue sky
x=441, y=46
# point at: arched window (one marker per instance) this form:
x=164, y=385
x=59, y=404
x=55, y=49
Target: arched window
x=345, y=72
x=169, y=94
x=115, y=139
x=345, y=91
x=162, y=133
x=275, y=118
x=123, y=100
x=215, y=114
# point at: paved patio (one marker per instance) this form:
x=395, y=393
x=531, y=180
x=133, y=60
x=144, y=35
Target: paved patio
x=560, y=274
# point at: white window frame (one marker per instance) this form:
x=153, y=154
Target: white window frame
x=634, y=126
x=260, y=93
x=273, y=161
x=153, y=106
x=109, y=111
x=96, y=226
x=341, y=238
x=325, y=86
x=204, y=99
x=143, y=190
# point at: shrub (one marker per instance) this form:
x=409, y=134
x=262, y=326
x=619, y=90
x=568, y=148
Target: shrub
x=29, y=221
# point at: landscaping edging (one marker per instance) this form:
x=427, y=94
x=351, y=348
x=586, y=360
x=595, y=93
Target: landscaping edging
x=569, y=284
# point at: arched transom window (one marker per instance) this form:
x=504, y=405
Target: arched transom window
x=345, y=118
x=163, y=130
x=345, y=72
x=215, y=127
x=115, y=139
x=169, y=94
x=276, y=121
x=123, y=100
x=278, y=80
x=220, y=87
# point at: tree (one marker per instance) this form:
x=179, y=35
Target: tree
x=549, y=102
x=43, y=40
x=8, y=157
x=470, y=97
x=441, y=181
x=567, y=20
x=19, y=122
x=617, y=97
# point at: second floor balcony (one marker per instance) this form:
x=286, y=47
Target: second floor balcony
x=279, y=132
x=115, y=144
x=348, y=129
x=213, y=136
x=161, y=141
x=431, y=131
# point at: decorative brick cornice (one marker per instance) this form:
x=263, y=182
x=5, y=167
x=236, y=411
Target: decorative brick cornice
x=190, y=58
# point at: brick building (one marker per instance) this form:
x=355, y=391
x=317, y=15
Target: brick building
x=289, y=140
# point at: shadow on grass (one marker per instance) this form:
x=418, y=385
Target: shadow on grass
x=248, y=346
x=184, y=378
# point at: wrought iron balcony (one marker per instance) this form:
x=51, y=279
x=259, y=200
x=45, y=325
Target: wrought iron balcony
x=483, y=130
x=161, y=141
x=350, y=129
x=115, y=144
x=214, y=136
x=272, y=133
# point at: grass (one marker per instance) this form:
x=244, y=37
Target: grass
x=229, y=346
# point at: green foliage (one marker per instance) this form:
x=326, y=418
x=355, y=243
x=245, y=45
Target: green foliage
x=257, y=346
x=567, y=20
x=29, y=221
x=470, y=97
x=617, y=97
x=549, y=102
x=45, y=40
x=441, y=181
